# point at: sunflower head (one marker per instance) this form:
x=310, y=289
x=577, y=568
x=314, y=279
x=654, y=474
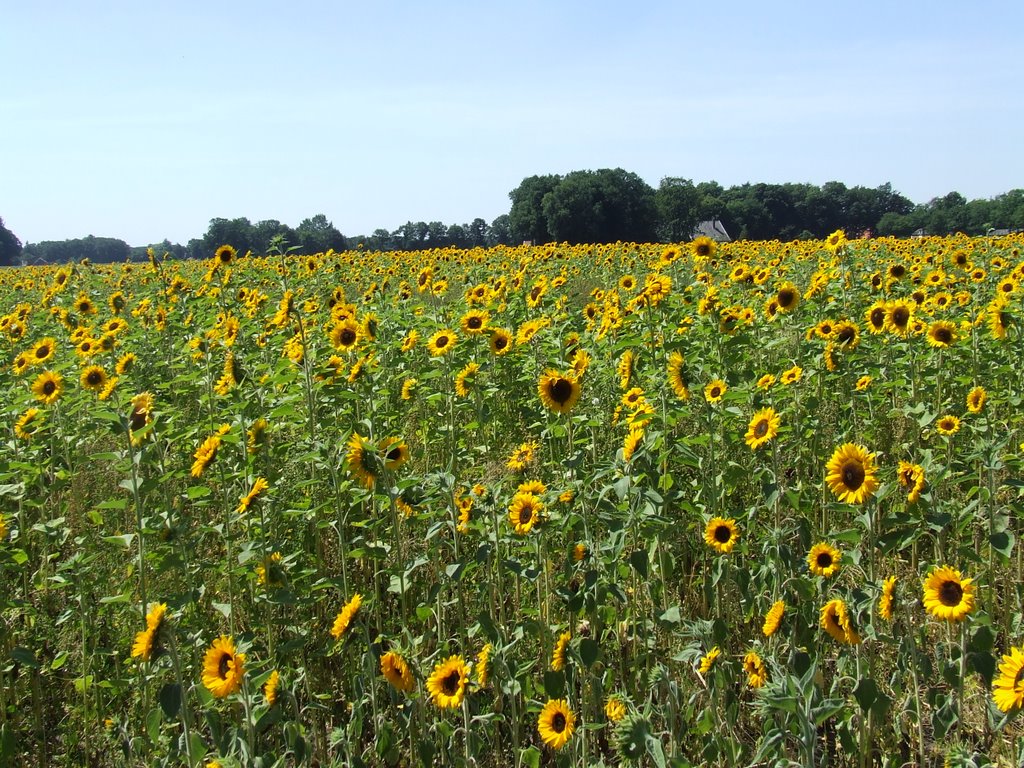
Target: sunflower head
x=948, y=595
x=447, y=683
x=223, y=667
x=556, y=723
x=824, y=560
x=851, y=474
x=721, y=534
x=559, y=392
x=763, y=428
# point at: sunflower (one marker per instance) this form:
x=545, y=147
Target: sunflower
x=345, y=335
x=947, y=425
x=766, y=382
x=791, y=375
x=48, y=387
x=763, y=427
x=835, y=619
x=714, y=391
x=28, y=424
x=259, y=486
x=948, y=595
x=270, y=687
x=556, y=723
x=397, y=672
x=824, y=560
x=999, y=320
x=703, y=247
x=345, y=616
x=899, y=313
x=558, y=654
x=847, y=334
x=482, y=664
x=721, y=534
x=707, y=661
x=624, y=369
x=941, y=334
x=147, y=642
x=271, y=572
x=677, y=378
x=395, y=453
x=634, y=437
x=464, y=379
x=875, y=317
x=614, y=708
x=257, y=435
x=976, y=399
x=773, y=618
x=124, y=365
x=501, y=341
x=224, y=255
x=524, y=512
x=205, y=454
x=851, y=474
x=441, y=342
x=522, y=456
x=94, y=378
x=474, y=322
x=911, y=477
x=223, y=667
x=1008, y=688
x=447, y=683
x=886, y=600
x=142, y=411
x=362, y=460
x=43, y=351
x=558, y=392
x=787, y=297
x=755, y=669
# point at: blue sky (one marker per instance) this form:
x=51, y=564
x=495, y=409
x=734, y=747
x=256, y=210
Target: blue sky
x=145, y=120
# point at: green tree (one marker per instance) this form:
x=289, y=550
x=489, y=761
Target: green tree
x=679, y=207
x=10, y=247
x=601, y=207
x=318, y=235
x=527, y=219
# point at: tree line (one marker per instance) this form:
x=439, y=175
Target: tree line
x=600, y=206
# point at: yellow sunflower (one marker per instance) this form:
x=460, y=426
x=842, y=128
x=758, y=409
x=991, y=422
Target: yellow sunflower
x=395, y=453
x=522, y=456
x=773, y=618
x=147, y=642
x=28, y=424
x=558, y=654
x=755, y=669
x=223, y=667
x=397, y=672
x=614, y=708
x=48, y=387
x=362, y=460
x=835, y=619
x=941, y=334
x=43, y=351
x=270, y=687
x=556, y=723
x=441, y=342
x=707, y=661
x=721, y=534
x=524, y=512
x=911, y=477
x=501, y=341
x=475, y=321
x=852, y=474
x=1008, y=687
x=824, y=560
x=763, y=428
x=885, y=602
x=677, y=378
x=947, y=425
x=345, y=616
x=715, y=390
x=345, y=335
x=976, y=399
x=447, y=683
x=558, y=392
x=948, y=595
x=94, y=378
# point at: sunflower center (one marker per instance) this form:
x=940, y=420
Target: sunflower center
x=878, y=317
x=525, y=515
x=49, y=387
x=224, y=666
x=943, y=335
x=442, y=342
x=561, y=391
x=824, y=560
x=900, y=317
x=761, y=428
x=786, y=297
x=394, y=454
x=42, y=352
x=500, y=342
x=951, y=593
x=716, y=392
x=348, y=337
x=722, y=534
x=475, y=323
x=558, y=722
x=846, y=335
x=94, y=378
x=703, y=249
x=450, y=683
x=853, y=475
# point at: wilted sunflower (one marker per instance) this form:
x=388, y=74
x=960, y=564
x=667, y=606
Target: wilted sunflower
x=885, y=602
x=948, y=595
x=911, y=477
x=677, y=378
x=558, y=654
x=763, y=428
x=824, y=560
x=48, y=387
x=441, y=342
x=1008, y=687
x=397, y=672
x=852, y=474
x=345, y=616
x=947, y=425
x=28, y=424
x=223, y=668
x=755, y=669
x=715, y=390
x=773, y=618
x=94, y=378
x=976, y=399
x=558, y=392
x=941, y=334
x=835, y=619
x=556, y=723
x=524, y=512
x=721, y=534
x=447, y=683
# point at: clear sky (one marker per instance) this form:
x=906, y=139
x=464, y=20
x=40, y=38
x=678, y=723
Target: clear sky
x=145, y=120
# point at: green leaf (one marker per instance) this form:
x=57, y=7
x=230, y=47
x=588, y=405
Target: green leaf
x=671, y=616
x=589, y=651
x=125, y=540
x=1003, y=542
x=25, y=657
x=638, y=559
x=224, y=608
x=866, y=693
x=170, y=699
x=530, y=757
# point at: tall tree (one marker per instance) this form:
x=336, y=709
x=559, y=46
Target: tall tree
x=601, y=207
x=679, y=203
x=527, y=218
x=10, y=247
x=318, y=235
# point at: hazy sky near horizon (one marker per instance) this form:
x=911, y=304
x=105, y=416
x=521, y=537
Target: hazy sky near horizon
x=143, y=121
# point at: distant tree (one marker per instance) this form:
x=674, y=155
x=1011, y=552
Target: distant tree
x=237, y=233
x=10, y=247
x=457, y=236
x=679, y=208
x=500, y=231
x=437, y=235
x=264, y=232
x=527, y=219
x=476, y=233
x=318, y=235
x=601, y=207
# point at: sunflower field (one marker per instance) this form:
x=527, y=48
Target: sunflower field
x=746, y=504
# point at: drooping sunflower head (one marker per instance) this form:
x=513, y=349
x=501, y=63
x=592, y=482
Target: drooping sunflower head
x=395, y=453
x=851, y=474
x=396, y=670
x=824, y=560
x=836, y=620
x=948, y=595
x=721, y=534
x=558, y=392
